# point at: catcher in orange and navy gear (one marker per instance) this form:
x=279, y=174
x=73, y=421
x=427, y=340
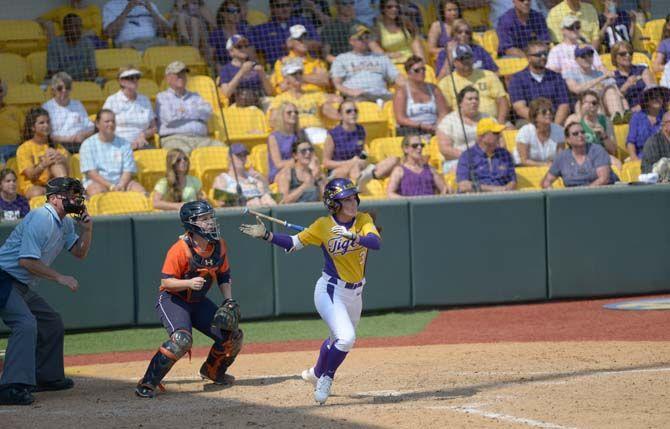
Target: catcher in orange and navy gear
x=195, y=262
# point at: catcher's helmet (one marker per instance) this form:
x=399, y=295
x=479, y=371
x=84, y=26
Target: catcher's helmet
x=190, y=215
x=72, y=192
x=338, y=189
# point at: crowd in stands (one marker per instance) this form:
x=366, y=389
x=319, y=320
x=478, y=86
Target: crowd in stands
x=472, y=94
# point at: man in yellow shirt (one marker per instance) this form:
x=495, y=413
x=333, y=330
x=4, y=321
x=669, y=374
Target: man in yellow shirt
x=493, y=99
x=90, y=17
x=11, y=125
x=587, y=15
x=315, y=72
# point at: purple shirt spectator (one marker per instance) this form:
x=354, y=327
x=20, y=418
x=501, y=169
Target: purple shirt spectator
x=640, y=129
x=12, y=210
x=524, y=87
x=618, y=31
x=664, y=48
x=218, y=38
x=270, y=38
x=634, y=93
x=285, y=143
x=512, y=33
x=348, y=144
x=497, y=170
x=573, y=174
x=481, y=59
x=250, y=81
x=443, y=39
x=414, y=184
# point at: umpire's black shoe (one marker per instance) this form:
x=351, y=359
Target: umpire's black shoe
x=49, y=386
x=16, y=394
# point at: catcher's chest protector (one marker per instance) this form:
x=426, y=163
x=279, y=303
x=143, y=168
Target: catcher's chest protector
x=200, y=266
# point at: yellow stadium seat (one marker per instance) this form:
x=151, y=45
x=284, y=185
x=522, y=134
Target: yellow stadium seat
x=390, y=116
x=156, y=58
x=115, y=203
x=510, y=66
x=477, y=17
x=374, y=119
x=435, y=157
x=209, y=162
x=13, y=68
x=382, y=148
x=12, y=164
x=75, y=169
x=450, y=180
x=490, y=42
x=657, y=75
x=37, y=202
x=621, y=135
x=638, y=38
x=256, y=17
x=25, y=96
x=259, y=159
x=509, y=137
x=151, y=166
x=90, y=95
x=205, y=86
x=246, y=125
x=109, y=61
x=530, y=177
x=631, y=171
x=146, y=87
x=37, y=66
x=21, y=37
x=654, y=30
x=374, y=190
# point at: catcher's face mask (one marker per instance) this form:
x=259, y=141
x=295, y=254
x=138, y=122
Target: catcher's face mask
x=207, y=226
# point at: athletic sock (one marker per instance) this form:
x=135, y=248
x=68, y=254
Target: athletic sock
x=320, y=366
x=335, y=359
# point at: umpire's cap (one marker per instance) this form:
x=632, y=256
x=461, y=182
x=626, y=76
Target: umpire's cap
x=64, y=186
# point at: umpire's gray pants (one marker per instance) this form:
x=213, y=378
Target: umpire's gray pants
x=35, y=347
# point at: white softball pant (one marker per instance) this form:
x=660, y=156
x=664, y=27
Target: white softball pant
x=340, y=308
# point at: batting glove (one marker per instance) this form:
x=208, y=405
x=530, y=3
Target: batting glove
x=256, y=231
x=341, y=231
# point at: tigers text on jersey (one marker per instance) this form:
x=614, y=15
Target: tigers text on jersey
x=344, y=258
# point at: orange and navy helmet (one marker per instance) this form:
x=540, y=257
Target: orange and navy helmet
x=338, y=189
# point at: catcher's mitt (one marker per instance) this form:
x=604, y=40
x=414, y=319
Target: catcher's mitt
x=227, y=317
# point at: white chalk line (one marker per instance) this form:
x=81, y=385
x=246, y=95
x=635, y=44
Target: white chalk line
x=475, y=409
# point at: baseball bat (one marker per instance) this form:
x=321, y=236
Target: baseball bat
x=274, y=219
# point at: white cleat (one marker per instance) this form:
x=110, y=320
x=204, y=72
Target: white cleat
x=309, y=376
x=322, y=390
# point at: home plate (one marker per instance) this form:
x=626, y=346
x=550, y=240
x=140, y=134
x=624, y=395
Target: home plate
x=641, y=304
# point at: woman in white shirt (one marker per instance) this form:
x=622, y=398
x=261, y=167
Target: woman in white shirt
x=70, y=124
x=538, y=142
x=135, y=118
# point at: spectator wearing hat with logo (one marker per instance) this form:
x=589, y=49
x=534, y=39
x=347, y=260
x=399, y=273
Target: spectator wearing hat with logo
x=135, y=118
x=315, y=71
x=490, y=165
x=270, y=38
x=562, y=56
x=362, y=74
x=182, y=114
x=243, y=72
x=492, y=96
x=136, y=24
x=313, y=107
x=335, y=34
x=582, y=12
x=519, y=26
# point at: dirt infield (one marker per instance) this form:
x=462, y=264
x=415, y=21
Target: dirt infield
x=557, y=365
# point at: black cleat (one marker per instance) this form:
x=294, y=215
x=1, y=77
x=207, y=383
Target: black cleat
x=145, y=391
x=50, y=386
x=16, y=394
x=226, y=380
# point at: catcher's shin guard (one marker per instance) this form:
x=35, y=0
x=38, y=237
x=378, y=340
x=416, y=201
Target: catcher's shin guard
x=221, y=356
x=170, y=352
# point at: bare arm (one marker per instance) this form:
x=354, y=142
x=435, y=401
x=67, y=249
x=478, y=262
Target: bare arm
x=160, y=204
x=648, y=77
x=524, y=153
x=329, y=110
x=521, y=109
x=433, y=36
x=446, y=146
x=40, y=269
x=562, y=114
x=328, y=150
x=417, y=48
x=515, y=52
x=229, y=88
x=603, y=176
x=81, y=247
x=178, y=285
x=503, y=109
x=394, y=183
x=126, y=177
x=440, y=184
x=577, y=88
x=350, y=92
x=548, y=180
x=226, y=290
x=632, y=151
x=112, y=30
x=659, y=63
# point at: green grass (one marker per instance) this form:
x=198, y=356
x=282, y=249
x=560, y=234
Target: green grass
x=386, y=325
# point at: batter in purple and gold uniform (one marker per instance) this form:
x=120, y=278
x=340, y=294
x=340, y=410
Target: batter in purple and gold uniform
x=345, y=236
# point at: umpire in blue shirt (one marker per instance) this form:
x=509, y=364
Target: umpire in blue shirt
x=34, y=358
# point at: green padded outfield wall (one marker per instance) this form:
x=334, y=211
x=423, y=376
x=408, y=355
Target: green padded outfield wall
x=250, y=263
x=609, y=241
x=387, y=271
x=476, y=249
x=105, y=297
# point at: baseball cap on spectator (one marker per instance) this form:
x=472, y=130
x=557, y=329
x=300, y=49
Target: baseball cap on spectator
x=176, y=67
x=584, y=51
x=291, y=65
x=234, y=40
x=297, y=31
x=359, y=30
x=489, y=125
x=238, y=149
x=568, y=21
x=462, y=51
x=126, y=72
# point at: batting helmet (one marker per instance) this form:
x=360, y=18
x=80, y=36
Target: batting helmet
x=338, y=189
x=191, y=215
x=72, y=191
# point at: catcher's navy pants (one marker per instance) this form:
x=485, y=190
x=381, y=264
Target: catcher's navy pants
x=175, y=313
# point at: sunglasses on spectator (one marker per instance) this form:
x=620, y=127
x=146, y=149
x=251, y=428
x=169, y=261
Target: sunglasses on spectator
x=242, y=45
x=593, y=102
x=306, y=150
x=61, y=88
x=588, y=55
x=281, y=5
x=577, y=133
x=417, y=145
x=232, y=10
x=291, y=112
x=575, y=27
x=546, y=111
x=182, y=159
x=465, y=31
x=540, y=54
x=624, y=54
x=298, y=73
x=392, y=6
x=133, y=77
x=350, y=111
x=419, y=70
